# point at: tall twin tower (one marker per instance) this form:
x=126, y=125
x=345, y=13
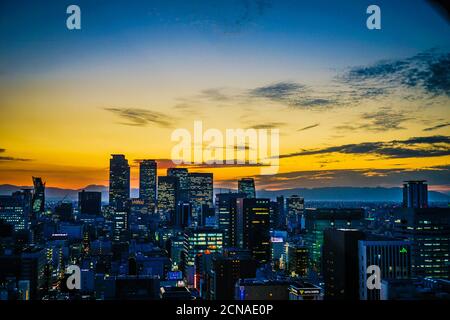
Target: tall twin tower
x=119, y=182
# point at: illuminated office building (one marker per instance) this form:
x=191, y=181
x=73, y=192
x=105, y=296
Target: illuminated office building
x=200, y=191
x=428, y=229
x=176, y=250
x=168, y=196
x=120, y=225
x=119, y=181
x=297, y=259
x=183, y=176
x=38, y=202
x=16, y=209
x=246, y=186
x=226, y=204
x=279, y=248
x=294, y=208
x=393, y=257
x=199, y=241
x=148, y=183
x=256, y=228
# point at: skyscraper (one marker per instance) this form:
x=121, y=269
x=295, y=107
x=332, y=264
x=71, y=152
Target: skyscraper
x=183, y=176
x=340, y=263
x=247, y=187
x=183, y=217
x=317, y=220
x=256, y=228
x=90, y=202
x=16, y=209
x=119, y=181
x=64, y=211
x=297, y=259
x=226, y=204
x=199, y=241
x=38, y=204
x=415, y=194
x=226, y=271
x=281, y=223
x=294, y=207
x=120, y=220
x=147, y=183
x=393, y=257
x=168, y=196
x=428, y=229
x=201, y=190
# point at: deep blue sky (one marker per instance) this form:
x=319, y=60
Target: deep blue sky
x=33, y=33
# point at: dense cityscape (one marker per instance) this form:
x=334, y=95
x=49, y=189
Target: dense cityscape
x=181, y=240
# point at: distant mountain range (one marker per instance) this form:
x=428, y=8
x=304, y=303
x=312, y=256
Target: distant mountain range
x=315, y=194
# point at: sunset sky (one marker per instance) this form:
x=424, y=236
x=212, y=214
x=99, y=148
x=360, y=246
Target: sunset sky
x=355, y=107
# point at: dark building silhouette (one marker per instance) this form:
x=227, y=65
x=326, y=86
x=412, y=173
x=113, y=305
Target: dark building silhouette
x=226, y=271
x=90, y=202
x=64, y=211
x=119, y=181
x=281, y=221
x=148, y=183
x=227, y=207
x=256, y=228
x=415, y=194
x=247, y=186
x=340, y=263
x=183, y=216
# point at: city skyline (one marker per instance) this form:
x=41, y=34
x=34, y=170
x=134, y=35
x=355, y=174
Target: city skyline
x=354, y=107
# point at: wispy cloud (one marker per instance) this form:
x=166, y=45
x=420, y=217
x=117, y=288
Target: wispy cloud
x=267, y=125
x=309, y=127
x=14, y=159
x=415, y=147
x=293, y=94
x=142, y=117
x=436, y=127
x=429, y=71
x=279, y=91
x=11, y=159
x=354, y=177
x=383, y=119
x=224, y=165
